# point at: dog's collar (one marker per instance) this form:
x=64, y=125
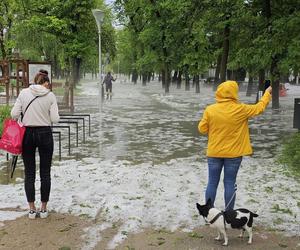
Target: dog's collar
x=216, y=217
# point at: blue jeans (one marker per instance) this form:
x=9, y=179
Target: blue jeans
x=231, y=168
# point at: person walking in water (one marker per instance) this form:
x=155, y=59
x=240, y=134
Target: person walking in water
x=226, y=124
x=108, y=79
x=42, y=110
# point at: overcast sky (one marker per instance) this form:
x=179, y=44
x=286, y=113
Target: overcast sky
x=109, y=1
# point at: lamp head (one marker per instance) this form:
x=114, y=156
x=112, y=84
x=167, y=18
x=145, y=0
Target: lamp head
x=99, y=16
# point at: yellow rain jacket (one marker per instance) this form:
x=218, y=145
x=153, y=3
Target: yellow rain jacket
x=226, y=122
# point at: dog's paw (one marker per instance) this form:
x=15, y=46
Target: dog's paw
x=218, y=238
x=249, y=242
x=225, y=244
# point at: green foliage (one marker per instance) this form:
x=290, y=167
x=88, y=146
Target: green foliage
x=60, y=31
x=188, y=35
x=4, y=113
x=290, y=154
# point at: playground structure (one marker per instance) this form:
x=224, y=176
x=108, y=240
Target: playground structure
x=16, y=74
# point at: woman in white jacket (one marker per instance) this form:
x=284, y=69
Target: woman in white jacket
x=41, y=113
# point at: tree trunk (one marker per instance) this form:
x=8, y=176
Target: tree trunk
x=174, y=78
x=197, y=83
x=193, y=82
x=179, y=79
x=134, y=76
x=250, y=86
x=2, y=46
x=163, y=78
x=285, y=78
x=187, y=81
x=77, y=76
x=225, y=53
x=65, y=99
x=275, y=75
x=144, y=79
x=232, y=75
x=167, y=79
x=73, y=81
x=275, y=79
x=217, y=72
x=261, y=82
x=55, y=67
x=149, y=77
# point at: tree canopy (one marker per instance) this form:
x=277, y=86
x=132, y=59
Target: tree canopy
x=192, y=36
x=63, y=32
x=172, y=38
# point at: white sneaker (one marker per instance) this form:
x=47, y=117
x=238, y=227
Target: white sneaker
x=43, y=214
x=32, y=214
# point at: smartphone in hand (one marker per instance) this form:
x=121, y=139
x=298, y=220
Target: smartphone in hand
x=267, y=84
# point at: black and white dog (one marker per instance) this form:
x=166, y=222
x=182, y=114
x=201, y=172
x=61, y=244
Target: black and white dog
x=239, y=219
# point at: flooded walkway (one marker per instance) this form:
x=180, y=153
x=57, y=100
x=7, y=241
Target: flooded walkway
x=145, y=166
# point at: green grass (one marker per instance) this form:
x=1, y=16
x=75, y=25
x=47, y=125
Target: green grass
x=290, y=155
x=59, y=91
x=277, y=209
x=4, y=113
x=64, y=248
x=195, y=235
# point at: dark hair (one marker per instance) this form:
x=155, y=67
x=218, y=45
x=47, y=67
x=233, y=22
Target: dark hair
x=41, y=77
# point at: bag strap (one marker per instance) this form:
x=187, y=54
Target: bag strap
x=22, y=114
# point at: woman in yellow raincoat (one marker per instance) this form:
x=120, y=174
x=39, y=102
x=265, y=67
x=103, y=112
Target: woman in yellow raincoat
x=226, y=124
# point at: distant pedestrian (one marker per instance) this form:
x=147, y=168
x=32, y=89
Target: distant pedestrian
x=226, y=124
x=108, y=79
x=42, y=111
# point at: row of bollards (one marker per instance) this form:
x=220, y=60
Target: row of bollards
x=71, y=119
x=57, y=130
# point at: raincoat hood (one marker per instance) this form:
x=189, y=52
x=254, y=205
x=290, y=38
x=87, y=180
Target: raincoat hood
x=38, y=90
x=227, y=91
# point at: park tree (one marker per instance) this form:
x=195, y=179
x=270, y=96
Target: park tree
x=125, y=58
x=187, y=37
x=7, y=19
x=271, y=47
x=64, y=32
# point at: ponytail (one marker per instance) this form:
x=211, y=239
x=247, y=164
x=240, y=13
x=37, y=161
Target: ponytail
x=41, y=77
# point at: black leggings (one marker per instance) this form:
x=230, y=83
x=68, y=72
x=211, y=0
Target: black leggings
x=41, y=138
x=108, y=88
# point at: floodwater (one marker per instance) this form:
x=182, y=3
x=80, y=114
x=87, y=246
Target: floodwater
x=142, y=124
x=144, y=157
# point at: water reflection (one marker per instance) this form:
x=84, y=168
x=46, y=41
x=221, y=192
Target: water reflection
x=5, y=173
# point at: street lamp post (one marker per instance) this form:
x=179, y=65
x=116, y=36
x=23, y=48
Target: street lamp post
x=99, y=15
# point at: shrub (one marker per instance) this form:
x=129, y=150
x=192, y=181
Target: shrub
x=4, y=113
x=290, y=154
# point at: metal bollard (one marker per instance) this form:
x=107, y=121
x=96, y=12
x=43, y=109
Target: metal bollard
x=296, y=123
